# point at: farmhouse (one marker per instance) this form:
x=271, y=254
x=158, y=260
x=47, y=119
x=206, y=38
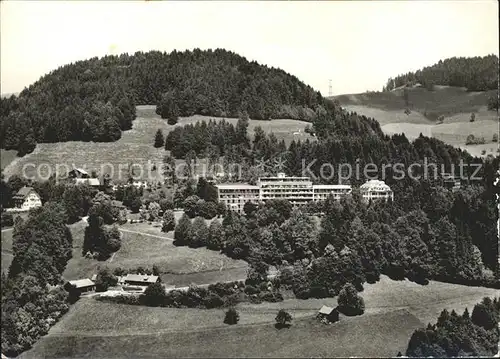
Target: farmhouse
x=27, y=198
x=328, y=314
x=82, y=177
x=139, y=279
x=83, y=285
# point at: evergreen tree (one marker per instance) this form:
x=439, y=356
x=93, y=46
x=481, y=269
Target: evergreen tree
x=159, y=139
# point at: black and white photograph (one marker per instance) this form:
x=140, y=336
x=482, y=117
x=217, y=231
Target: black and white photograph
x=249, y=179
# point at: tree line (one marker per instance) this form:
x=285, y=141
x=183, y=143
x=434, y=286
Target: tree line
x=441, y=239
x=475, y=73
x=42, y=246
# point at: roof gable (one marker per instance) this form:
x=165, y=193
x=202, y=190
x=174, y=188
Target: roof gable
x=24, y=192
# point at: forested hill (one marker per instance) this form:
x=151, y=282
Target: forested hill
x=474, y=73
x=95, y=99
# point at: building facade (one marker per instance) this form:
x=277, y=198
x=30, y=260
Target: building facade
x=27, y=198
x=374, y=190
x=298, y=190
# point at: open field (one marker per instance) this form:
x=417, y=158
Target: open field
x=180, y=266
x=191, y=264
x=394, y=310
x=444, y=100
x=6, y=157
x=455, y=104
x=135, y=146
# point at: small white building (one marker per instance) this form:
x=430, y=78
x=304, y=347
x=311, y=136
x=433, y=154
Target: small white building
x=27, y=198
x=376, y=190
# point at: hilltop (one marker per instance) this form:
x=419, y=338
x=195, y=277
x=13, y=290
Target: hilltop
x=95, y=99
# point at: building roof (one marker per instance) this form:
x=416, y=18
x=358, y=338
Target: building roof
x=82, y=283
x=89, y=181
x=116, y=203
x=23, y=192
x=332, y=186
x=81, y=170
x=326, y=310
x=236, y=186
x=375, y=185
x=141, y=278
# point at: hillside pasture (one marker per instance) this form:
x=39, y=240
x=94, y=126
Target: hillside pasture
x=144, y=246
x=390, y=116
x=7, y=157
x=453, y=103
x=134, y=147
x=394, y=309
x=443, y=100
x=179, y=265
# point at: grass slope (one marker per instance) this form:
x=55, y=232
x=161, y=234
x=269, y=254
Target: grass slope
x=394, y=310
x=7, y=157
x=180, y=266
x=7, y=255
x=455, y=104
x=135, y=146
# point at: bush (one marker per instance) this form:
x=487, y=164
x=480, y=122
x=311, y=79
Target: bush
x=105, y=279
x=472, y=140
x=166, y=204
x=154, y=295
x=172, y=120
x=283, y=318
x=495, y=137
x=250, y=289
x=232, y=317
x=213, y=301
x=350, y=303
x=271, y=297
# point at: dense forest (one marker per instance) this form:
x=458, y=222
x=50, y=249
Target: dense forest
x=31, y=299
x=95, y=99
x=474, y=73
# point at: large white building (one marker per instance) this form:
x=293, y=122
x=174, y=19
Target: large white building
x=376, y=190
x=297, y=190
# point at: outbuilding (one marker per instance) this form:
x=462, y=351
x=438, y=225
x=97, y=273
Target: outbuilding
x=83, y=285
x=328, y=314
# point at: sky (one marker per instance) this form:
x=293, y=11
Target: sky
x=356, y=44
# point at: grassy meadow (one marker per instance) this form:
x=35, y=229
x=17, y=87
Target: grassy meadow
x=134, y=147
x=394, y=309
x=144, y=246
x=455, y=104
